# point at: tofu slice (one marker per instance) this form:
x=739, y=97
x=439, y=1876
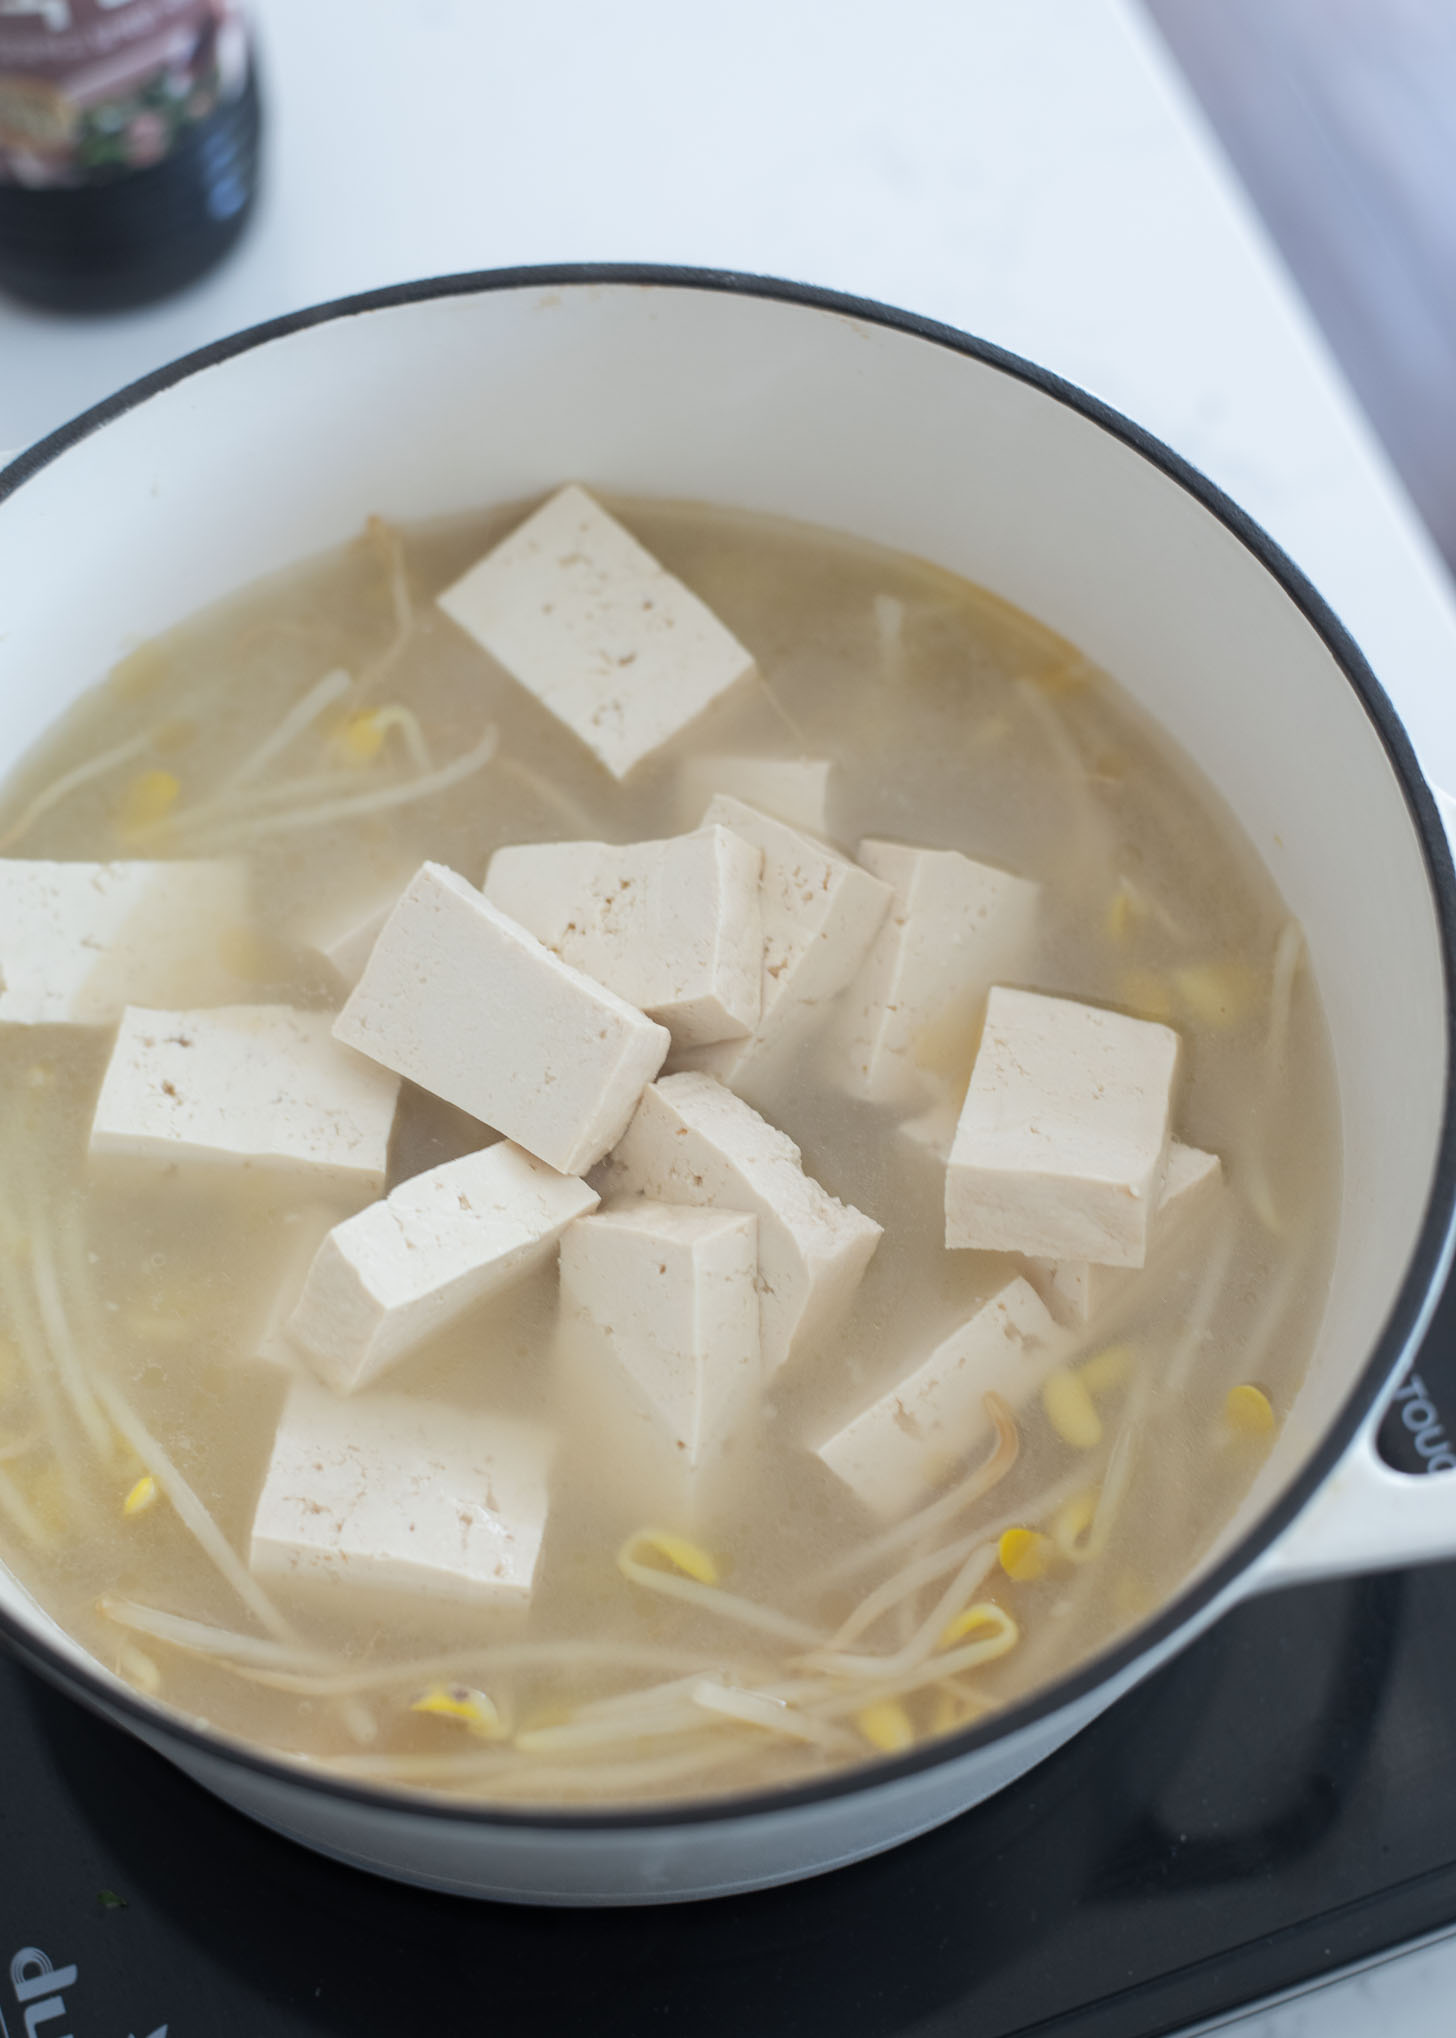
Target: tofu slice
x=955, y=928
x=693, y=1142
x=794, y=790
x=586, y=620
x=466, y=1003
x=247, y=1086
x=673, y=927
x=1076, y=1291
x=81, y=941
x=1063, y=1137
x=395, y=1274
x=905, y=1443
x=820, y=914
x=670, y=1295
x=395, y=1494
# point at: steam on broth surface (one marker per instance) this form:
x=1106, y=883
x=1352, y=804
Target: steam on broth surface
x=333, y=729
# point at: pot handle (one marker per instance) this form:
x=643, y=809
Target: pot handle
x=1367, y=1516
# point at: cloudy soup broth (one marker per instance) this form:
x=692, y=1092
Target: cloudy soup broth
x=672, y=1505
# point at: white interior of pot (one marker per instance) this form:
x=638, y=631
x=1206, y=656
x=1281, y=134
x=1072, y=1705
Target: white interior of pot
x=447, y=404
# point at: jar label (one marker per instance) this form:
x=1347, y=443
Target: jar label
x=90, y=89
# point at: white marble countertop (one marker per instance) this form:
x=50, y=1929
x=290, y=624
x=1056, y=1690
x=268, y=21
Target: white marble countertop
x=1406, y=1994
x=1032, y=171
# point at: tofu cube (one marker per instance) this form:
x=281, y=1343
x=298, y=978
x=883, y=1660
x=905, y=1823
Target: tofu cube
x=1191, y=1182
x=670, y=1295
x=81, y=941
x=409, y=1266
x=931, y=1133
x=893, y=1453
x=300, y=1234
x=1062, y=1140
x=673, y=927
x=399, y=1495
x=587, y=621
x=790, y=789
x=619, y=1460
x=693, y=1142
x=466, y=1003
x=955, y=928
x=1076, y=1291
x=341, y=933
x=820, y=914
x=247, y=1086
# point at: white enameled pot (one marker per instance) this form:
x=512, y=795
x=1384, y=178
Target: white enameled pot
x=445, y=395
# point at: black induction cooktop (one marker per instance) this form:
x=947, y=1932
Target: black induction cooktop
x=1277, y=1803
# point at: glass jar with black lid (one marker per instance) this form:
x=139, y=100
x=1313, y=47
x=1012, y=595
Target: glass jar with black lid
x=128, y=147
